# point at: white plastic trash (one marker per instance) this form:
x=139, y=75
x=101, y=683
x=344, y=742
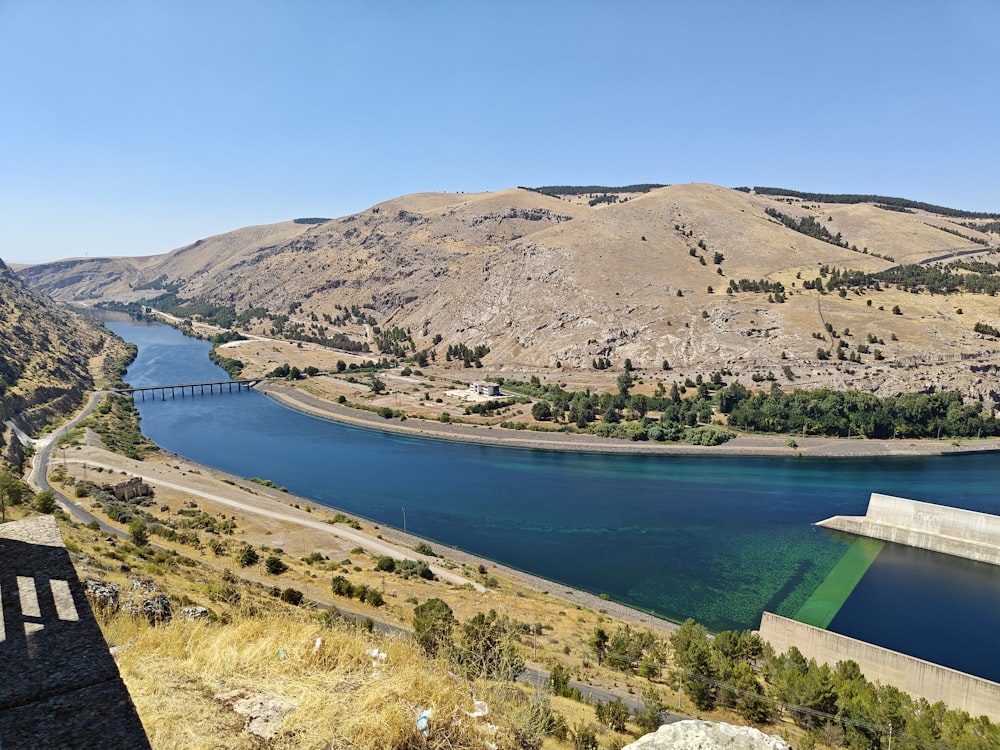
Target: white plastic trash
x=423, y=722
x=480, y=709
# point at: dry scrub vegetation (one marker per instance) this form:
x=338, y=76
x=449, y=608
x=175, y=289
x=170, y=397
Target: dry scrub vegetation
x=337, y=694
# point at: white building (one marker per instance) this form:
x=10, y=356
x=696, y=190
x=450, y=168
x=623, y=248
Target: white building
x=485, y=388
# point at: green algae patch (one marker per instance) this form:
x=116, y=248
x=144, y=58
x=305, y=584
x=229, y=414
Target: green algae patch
x=820, y=608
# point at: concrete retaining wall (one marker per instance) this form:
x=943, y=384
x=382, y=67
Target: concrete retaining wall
x=952, y=531
x=919, y=678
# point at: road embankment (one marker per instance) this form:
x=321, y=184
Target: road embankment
x=742, y=445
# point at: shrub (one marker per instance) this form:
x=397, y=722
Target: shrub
x=248, y=556
x=274, y=565
x=292, y=596
x=433, y=622
x=342, y=587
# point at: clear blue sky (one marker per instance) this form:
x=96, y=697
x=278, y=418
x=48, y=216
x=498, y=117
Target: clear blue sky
x=138, y=126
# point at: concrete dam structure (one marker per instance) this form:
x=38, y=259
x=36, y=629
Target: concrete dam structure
x=917, y=677
x=951, y=531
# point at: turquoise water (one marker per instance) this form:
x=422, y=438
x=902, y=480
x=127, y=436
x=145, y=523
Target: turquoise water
x=716, y=538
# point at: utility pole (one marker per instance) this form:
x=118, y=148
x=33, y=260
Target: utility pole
x=404, y=518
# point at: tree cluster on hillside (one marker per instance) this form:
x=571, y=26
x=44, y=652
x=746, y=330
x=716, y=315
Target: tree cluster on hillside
x=975, y=277
x=558, y=190
x=880, y=199
x=116, y=421
x=808, y=226
x=987, y=226
x=845, y=413
x=395, y=341
x=624, y=414
x=469, y=356
x=837, y=706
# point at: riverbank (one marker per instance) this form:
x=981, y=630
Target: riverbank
x=271, y=518
x=742, y=445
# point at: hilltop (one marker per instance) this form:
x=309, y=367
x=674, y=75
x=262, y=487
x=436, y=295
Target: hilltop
x=697, y=277
x=50, y=356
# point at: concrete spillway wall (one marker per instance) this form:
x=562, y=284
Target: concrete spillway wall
x=952, y=531
x=919, y=678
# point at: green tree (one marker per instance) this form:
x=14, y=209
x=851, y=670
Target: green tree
x=542, y=411
x=433, y=622
x=45, y=502
x=12, y=491
x=599, y=644
x=625, y=383
x=693, y=654
x=800, y=682
x=138, y=532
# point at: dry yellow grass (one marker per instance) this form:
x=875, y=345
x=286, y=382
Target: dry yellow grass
x=342, y=696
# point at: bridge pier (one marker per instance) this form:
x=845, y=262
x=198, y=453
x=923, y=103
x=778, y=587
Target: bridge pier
x=194, y=388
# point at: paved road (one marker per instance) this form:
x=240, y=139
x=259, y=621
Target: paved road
x=37, y=477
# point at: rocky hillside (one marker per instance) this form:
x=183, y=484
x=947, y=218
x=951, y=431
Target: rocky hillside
x=45, y=360
x=701, y=276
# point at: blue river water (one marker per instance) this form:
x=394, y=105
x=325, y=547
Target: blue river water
x=716, y=538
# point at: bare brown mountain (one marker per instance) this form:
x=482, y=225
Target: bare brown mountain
x=46, y=352
x=543, y=280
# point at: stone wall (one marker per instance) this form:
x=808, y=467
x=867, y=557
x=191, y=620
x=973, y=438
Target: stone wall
x=951, y=531
x=919, y=678
x=60, y=685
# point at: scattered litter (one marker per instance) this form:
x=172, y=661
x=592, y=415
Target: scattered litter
x=423, y=720
x=480, y=709
x=317, y=645
x=282, y=653
x=378, y=660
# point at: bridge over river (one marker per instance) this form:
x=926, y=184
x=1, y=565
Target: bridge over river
x=224, y=386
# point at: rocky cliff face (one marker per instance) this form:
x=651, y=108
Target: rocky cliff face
x=45, y=352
